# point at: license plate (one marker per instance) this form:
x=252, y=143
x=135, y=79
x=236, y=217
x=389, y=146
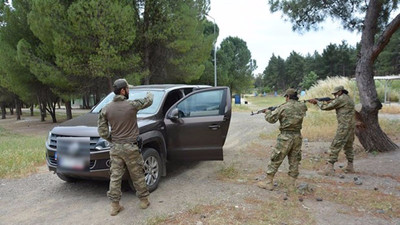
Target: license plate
x=72, y=163
x=73, y=154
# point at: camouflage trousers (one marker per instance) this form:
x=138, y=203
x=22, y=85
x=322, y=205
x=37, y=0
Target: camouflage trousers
x=288, y=144
x=126, y=156
x=344, y=139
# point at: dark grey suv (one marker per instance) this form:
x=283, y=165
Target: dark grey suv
x=185, y=122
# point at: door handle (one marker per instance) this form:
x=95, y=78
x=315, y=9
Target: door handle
x=214, y=127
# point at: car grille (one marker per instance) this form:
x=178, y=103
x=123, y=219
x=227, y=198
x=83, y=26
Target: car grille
x=53, y=141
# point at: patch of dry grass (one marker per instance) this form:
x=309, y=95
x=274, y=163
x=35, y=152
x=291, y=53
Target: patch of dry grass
x=361, y=199
x=229, y=172
x=252, y=211
x=390, y=109
x=389, y=126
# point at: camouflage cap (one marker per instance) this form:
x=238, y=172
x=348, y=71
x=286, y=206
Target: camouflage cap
x=120, y=83
x=290, y=91
x=337, y=89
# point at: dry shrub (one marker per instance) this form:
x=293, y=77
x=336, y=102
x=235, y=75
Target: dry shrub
x=324, y=88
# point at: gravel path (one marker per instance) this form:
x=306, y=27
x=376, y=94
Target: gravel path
x=42, y=198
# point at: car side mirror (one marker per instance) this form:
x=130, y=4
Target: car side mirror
x=174, y=114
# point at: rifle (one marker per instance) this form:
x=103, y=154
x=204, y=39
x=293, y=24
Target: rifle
x=271, y=108
x=324, y=99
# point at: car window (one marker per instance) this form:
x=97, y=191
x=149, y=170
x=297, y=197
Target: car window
x=201, y=104
x=135, y=94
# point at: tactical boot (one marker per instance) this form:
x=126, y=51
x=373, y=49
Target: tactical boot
x=267, y=184
x=328, y=170
x=144, y=203
x=292, y=184
x=116, y=208
x=349, y=168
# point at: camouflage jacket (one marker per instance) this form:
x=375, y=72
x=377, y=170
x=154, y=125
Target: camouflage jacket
x=120, y=115
x=344, y=107
x=290, y=115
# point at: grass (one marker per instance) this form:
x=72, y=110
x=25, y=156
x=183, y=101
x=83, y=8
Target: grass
x=390, y=109
x=19, y=154
x=251, y=211
x=228, y=172
x=361, y=199
x=390, y=127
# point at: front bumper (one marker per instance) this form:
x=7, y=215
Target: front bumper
x=99, y=164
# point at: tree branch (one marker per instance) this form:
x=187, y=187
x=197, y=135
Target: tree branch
x=384, y=38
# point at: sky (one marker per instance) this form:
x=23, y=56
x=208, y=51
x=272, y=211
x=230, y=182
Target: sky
x=266, y=33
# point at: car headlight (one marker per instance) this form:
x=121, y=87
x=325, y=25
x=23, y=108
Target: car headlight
x=102, y=144
x=48, y=140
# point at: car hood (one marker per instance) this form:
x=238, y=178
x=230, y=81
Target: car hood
x=86, y=126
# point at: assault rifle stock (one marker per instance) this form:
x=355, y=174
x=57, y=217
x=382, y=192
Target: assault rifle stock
x=271, y=108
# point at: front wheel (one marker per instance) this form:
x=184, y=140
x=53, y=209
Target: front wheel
x=152, y=169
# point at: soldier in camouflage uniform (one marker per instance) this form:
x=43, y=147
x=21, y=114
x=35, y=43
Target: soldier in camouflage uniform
x=120, y=115
x=289, y=141
x=345, y=114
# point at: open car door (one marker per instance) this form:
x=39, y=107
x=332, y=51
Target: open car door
x=197, y=125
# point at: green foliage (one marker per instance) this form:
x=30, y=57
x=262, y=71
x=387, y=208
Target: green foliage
x=306, y=14
x=14, y=76
x=338, y=60
x=275, y=73
x=335, y=60
x=84, y=40
x=309, y=80
x=235, y=66
x=388, y=62
x=294, y=66
x=174, y=40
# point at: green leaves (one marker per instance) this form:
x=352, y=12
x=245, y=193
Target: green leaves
x=235, y=64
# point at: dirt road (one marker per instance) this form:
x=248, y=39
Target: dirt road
x=42, y=198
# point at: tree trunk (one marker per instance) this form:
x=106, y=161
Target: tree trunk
x=18, y=108
x=368, y=130
x=42, y=107
x=31, y=108
x=110, y=84
x=51, y=109
x=68, y=109
x=3, y=110
x=11, y=110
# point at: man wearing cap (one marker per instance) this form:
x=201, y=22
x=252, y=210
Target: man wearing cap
x=344, y=138
x=290, y=115
x=120, y=115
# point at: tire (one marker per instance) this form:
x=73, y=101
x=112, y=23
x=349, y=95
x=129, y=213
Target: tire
x=66, y=178
x=152, y=169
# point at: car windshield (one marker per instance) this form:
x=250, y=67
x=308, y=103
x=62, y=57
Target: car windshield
x=135, y=94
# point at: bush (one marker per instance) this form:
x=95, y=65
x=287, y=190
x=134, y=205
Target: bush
x=324, y=88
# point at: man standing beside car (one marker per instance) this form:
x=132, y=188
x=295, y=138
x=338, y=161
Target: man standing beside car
x=289, y=141
x=121, y=116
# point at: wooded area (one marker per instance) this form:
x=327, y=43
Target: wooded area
x=56, y=50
